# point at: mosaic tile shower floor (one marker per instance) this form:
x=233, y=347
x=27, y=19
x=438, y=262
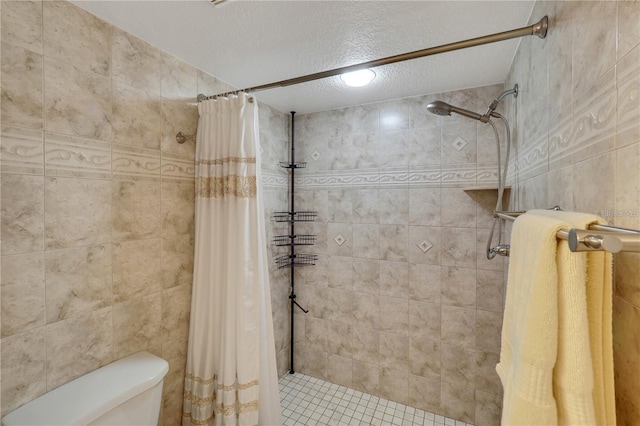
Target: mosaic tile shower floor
x=309, y=401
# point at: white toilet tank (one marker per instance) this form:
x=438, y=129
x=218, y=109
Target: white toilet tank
x=125, y=392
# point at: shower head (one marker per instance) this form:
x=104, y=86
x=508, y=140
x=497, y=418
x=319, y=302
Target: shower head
x=443, y=108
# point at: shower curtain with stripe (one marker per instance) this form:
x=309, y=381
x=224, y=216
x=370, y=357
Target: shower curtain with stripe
x=231, y=376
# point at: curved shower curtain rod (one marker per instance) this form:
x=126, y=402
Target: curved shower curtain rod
x=539, y=29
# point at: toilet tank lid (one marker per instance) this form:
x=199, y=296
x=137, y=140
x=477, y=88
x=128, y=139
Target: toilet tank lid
x=88, y=397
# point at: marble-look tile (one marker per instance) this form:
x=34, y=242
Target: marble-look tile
x=178, y=117
x=179, y=80
x=394, y=351
x=490, y=289
x=425, y=282
x=22, y=151
x=22, y=293
x=394, y=315
x=366, y=345
x=458, y=402
x=424, y=358
x=177, y=208
x=425, y=244
x=424, y=147
x=177, y=261
x=626, y=362
x=459, y=144
x=594, y=44
x=458, y=365
x=136, y=325
x=366, y=241
x=315, y=363
x=466, y=98
x=22, y=24
x=366, y=310
x=77, y=37
x=135, y=62
x=459, y=247
x=22, y=213
x=394, y=385
x=315, y=332
x=320, y=296
x=22, y=101
x=341, y=205
x=487, y=379
x=394, y=207
x=340, y=305
x=78, y=281
x=176, y=311
x=366, y=276
x=488, y=329
x=365, y=151
x=459, y=286
x=424, y=320
x=628, y=29
x=137, y=117
x=596, y=194
x=458, y=208
x=498, y=262
x=627, y=188
x=76, y=157
x=365, y=205
x=136, y=269
x=23, y=368
x=394, y=242
x=560, y=187
x=488, y=408
x=394, y=279
x=424, y=393
x=77, y=103
x=424, y=206
x=339, y=370
x=78, y=345
x=419, y=114
x=339, y=239
x=366, y=377
x=339, y=338
x=394, y=115
x=340, y=153
x=340, y=272
x=77, y=212
x=458, y=326
x=628, y=102
x=136, y=210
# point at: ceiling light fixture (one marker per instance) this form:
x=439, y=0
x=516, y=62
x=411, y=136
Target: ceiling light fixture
x=358, y=78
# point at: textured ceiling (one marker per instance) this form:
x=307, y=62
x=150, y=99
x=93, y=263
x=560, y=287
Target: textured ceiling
x=248, y=43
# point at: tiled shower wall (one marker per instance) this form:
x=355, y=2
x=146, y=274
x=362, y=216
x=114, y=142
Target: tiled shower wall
x=578, y=143
x=97, y=199
x=402, y=303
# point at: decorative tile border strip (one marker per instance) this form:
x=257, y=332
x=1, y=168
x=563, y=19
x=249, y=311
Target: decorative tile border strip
x=131, y=162
x=73, y=156
x=22, y=151
x=274, y=179
x=176, y=167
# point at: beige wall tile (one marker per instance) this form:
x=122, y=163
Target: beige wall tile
x=136, y=117
x=176, y=309
x=78, y=102
x=136, y=269
x=22, y=24
x=23, y=368
x=424, y=393
x=425, y=358
x=77, y=212
x=458, y=365
x=22, y=151
x=366, y=377
x=626, y=348
x=22, y=293
x=136, y=326
x=77, y=37
x=459, y=247
x=177, y=261
x=487, y=379
x=458, y=402
x=179, y=81
x=394, y=279
x=76, y=157
x=425, y=206
x=340, y=370
x=136, y=210
x=488, y=408
x=366, y=276
x=366, y=310
x=178, y=117
x=366, y=241
x=424, y=319
x=394, y=385
x=178, y=207
x=339, y=339
x=135, y=62
x=394, y=351
x=22, y=92
x=78, y=345
x=22, y=214
x=628, y=104
x=78, y=281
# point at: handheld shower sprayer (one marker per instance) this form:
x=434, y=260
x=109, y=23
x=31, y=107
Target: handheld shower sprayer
x=444, y=109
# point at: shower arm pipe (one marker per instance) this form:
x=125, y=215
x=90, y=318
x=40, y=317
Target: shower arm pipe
x=539, y=29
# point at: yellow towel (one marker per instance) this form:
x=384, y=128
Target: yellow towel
x=553, y=324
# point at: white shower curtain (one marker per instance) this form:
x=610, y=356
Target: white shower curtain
x=231, y=376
